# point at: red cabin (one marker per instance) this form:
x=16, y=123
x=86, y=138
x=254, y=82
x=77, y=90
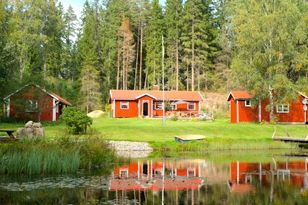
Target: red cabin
x=32, y=102
x=149, y=103
x=242, y=109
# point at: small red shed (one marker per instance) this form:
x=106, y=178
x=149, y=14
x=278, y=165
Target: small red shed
x=31, y=102
x=149, y=103
x=242, y=109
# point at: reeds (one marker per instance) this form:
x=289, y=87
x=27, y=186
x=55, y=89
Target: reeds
x=33, y=157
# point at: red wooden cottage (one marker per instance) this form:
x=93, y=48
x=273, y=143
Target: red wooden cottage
x=32, y=102
x=242, y=109
x=149, y=103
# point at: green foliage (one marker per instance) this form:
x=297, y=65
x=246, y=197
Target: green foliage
x=270, y=43
x=154, y=33
x=76, y=120
x=68, y=155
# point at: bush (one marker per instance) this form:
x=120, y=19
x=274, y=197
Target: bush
x=76, y=120
x=174, y=118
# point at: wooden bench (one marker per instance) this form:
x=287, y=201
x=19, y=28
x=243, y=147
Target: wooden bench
x=9, y=133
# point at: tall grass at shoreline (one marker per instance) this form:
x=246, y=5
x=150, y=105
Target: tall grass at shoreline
x=66, y=155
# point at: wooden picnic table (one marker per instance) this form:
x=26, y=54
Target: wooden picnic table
x=9, y=132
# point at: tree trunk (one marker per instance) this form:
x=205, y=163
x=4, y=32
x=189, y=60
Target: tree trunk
x=118, y=69
x=187, y=79
x=271, y=102
x=140, y=64
x=177, y=58
x=193, y=58
x=136, y=65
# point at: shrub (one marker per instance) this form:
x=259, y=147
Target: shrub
x=76, y=120
x=174, y=118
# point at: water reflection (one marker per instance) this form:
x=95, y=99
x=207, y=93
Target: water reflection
x=170, y=181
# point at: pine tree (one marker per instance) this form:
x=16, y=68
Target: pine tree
x=194, y=39
x=89, y=62
x=173, y=33
x=8, y=64
x=126, y=53
x=154, y=33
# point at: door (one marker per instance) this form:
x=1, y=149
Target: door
x=145, y=109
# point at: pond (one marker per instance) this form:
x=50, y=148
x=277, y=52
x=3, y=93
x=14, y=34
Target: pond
x=265, y=178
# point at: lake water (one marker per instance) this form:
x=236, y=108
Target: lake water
x=246, y=178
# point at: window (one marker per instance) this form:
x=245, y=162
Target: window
x=248, y=179
x=57, y=107
x=124, y=105
x=158, y=105
x=247, y=103
x=191, y=172
x=282, y=108
x=173, y=106
x=123, y=173
x=191, y=106
x=31, y=106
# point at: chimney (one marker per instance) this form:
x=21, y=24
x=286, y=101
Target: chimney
x=155, y=87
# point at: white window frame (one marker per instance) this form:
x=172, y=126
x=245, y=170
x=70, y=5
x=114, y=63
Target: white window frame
x=174, y=107
x=191, y=170
x=124, y=103
x=32, y=106
x=191, y=103
x=282, y=110
x=247, y=104
x=157, y=103
x=57, y=107
x=126, y=173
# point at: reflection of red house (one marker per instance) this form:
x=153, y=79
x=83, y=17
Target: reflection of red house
x=148, y=175
x=243, y=110
x=32, y=102
x=242, y=174
x=148, y=103
x=296, y=172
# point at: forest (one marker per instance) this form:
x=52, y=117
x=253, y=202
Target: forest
x=204, y=45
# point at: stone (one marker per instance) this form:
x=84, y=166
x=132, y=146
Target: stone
x=38, y=132
x=29, y=124
x=37, y=125
x=31, y=130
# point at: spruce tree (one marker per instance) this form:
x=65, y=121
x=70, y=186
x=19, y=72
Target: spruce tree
x=173, y=33
x=153, y=41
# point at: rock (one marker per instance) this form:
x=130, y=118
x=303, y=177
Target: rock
x=28, y=132
x=31, y=130
x=131, y=149
x=37, y=125
x=29, y=124
x=38, y=132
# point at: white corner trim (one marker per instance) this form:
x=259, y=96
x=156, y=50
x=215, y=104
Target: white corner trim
x=237, y=112
x=8, y=105
x=54, y=110
x=145, y=95
x=260, y=112
x=113, y=108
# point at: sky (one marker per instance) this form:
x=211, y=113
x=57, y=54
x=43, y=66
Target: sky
x=78, y=4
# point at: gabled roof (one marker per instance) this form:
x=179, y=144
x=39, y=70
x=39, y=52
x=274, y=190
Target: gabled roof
x=303, y=94
x=240, y=95
x=53, y=95
x=156, y=94
x=244, y=95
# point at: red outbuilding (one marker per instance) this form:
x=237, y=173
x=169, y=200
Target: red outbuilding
x=31, y=102
x=149, y=103
x=243, y=110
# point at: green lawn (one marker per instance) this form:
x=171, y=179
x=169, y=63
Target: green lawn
x=220, y=131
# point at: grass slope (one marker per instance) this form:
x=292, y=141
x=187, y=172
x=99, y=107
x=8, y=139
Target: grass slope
x=221, y=134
